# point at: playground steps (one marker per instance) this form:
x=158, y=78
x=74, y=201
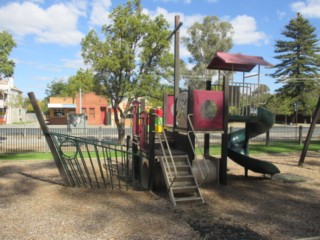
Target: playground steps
x=180, y=181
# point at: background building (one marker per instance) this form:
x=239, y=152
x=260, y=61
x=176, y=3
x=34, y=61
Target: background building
x=11, y=109
x=94, y=106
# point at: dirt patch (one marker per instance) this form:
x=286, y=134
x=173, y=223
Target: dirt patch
x=35, y=205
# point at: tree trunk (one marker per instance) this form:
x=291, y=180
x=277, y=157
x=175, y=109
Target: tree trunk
x=121, y=133
x=120, y=124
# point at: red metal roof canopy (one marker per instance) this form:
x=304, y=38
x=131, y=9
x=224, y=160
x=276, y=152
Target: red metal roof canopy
x=236, y=62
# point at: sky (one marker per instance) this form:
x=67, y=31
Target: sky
x=48, y=33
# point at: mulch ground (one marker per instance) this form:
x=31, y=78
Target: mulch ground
x=34, y=204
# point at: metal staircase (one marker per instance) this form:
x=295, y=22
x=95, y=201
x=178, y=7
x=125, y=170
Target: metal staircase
x=180, y=181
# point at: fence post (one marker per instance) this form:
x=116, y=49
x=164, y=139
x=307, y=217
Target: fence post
x=300, y=135
x=127, y=159
x=99, y=133
x=268, y=138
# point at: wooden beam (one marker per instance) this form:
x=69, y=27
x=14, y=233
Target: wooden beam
x=45, y=131
x=315, y=118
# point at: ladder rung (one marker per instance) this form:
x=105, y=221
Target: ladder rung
x=183, y=178
x=179, y=167
x=185, y=199
x=184, y=189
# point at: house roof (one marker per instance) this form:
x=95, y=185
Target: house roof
x=236, y=62
x=5, y=86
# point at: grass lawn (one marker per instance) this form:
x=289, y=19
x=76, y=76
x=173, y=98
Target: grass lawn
x=278, y=148
x=215, y=150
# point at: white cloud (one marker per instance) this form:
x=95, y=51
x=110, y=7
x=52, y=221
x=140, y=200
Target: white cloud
x=174, y=1
x=37, y=1
x=308, y=8
x=187, y=20
x=245, y=31
x=100, y=12
x=40, y=65
x=281, y=14
x=56, y=24
x=75, y=63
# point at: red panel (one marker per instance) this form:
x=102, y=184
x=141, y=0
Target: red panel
x=169, y=109
x=207, y=110
x=135, y=113
x=236, y=62
x=143, y=128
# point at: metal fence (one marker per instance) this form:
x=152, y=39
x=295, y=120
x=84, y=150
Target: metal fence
x=23, y=140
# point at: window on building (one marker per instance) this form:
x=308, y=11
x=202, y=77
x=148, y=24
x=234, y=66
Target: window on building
x=84, y=110
x=58, y=112
x=92, y=113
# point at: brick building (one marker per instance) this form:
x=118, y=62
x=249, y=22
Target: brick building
x=94, y=106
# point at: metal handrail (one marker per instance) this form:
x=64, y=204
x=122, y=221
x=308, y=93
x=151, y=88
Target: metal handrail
x=193, y=149
x=165, y=155
x=167, y=162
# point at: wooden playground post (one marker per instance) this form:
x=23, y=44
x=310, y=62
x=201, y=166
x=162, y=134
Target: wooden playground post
x=176, y=66
x=224, y=141
x=315, y=118
x=45, y=131
x=206, y=149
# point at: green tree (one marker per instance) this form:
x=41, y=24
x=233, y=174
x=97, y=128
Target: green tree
x=206, y=38
x=280, y=105
x=298, y=65
x=6, y=45
x=57, y=87
x=83, y=79
x=131, y=59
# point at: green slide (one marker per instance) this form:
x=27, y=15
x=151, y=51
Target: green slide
x=238, y=143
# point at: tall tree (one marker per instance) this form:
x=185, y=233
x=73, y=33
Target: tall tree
x=206, y=38
x=129, y=62
x=82, y=80
x=56, y=88
x=6, y=45
x=298, y=63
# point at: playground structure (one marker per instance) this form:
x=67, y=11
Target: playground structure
x=164, y=151
x=165, y=145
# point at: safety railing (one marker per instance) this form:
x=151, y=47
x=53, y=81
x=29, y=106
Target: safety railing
x=203, y=175
x=167, y=162
x=245, y=98
x=167, y=155
x=92, y=163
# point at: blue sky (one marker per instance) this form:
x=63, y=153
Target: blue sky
x=48, y=32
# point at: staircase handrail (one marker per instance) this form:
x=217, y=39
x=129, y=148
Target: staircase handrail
x=165, y=155
x=193, y=149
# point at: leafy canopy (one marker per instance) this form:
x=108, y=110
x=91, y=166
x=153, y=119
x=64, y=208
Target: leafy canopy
x=6, y=45
x=131, y=58
x=205, y=40
x=82, y=80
